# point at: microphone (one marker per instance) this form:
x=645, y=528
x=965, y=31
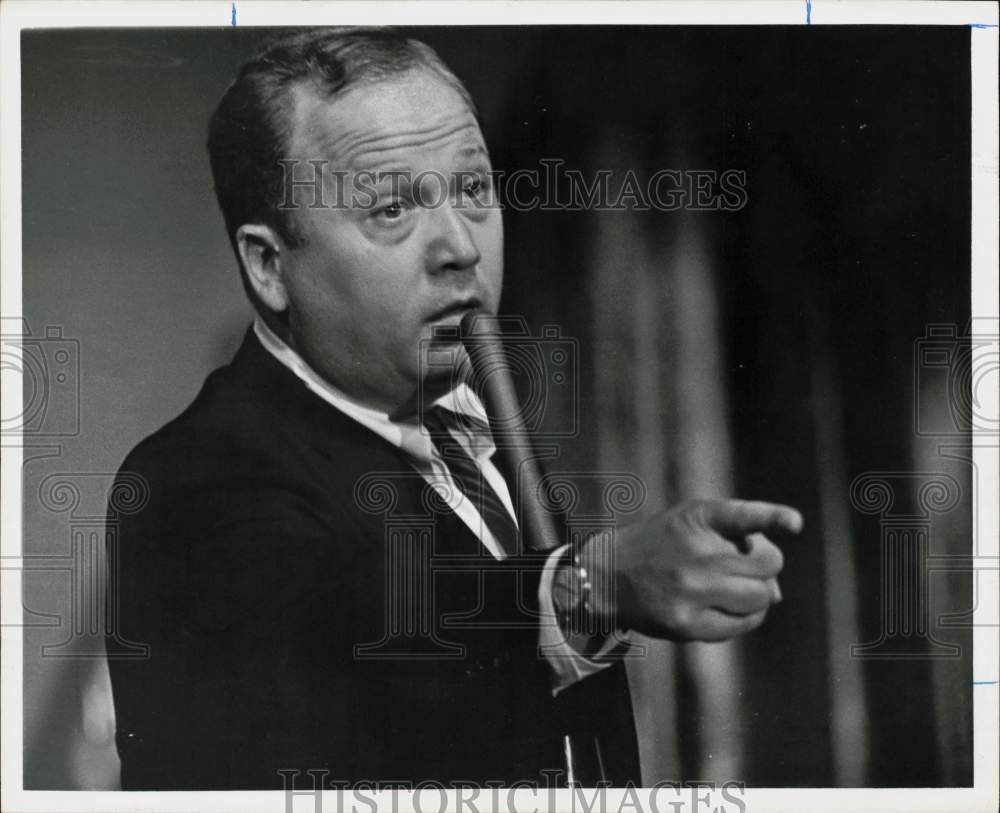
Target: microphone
x=494, y=383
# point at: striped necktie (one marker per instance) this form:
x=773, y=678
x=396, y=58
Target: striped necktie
x=469, y=478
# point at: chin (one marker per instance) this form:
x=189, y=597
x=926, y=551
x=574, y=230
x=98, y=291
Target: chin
x=442, y=378
x=444, y=363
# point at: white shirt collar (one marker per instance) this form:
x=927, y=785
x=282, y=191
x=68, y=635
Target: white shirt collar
x=405, y=435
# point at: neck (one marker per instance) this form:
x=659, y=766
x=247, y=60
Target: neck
x=421, y=399
x=399, y=406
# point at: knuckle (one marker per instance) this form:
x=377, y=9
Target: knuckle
x=696, y=512
x=686, y=582
x=775, y=562
x=673, y=519
x=682, y=617
x=771, y=559
x=756, y=599
x=779, y=560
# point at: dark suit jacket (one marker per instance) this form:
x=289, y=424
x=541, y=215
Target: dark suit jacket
x=308, y=605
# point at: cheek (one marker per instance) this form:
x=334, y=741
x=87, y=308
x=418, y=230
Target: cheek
x=334, y=272
x=492, y=263
x=388, y=299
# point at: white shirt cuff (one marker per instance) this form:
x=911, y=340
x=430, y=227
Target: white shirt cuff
x=568, y=665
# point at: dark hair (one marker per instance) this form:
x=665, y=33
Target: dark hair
x=249, y=130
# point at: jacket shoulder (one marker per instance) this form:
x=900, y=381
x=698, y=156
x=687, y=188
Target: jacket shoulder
x=216, y=432
x=255, y=442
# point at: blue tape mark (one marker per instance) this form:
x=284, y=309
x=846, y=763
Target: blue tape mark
x=982, y=25
x=984, y=683
x=234, y=15
x=809, y=12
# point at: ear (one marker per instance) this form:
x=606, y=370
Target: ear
x=260, y=248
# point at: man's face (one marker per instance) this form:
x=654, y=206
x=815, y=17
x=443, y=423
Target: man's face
x=374, y=276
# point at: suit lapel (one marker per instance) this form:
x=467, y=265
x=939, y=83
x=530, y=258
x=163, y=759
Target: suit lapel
x=354, y=455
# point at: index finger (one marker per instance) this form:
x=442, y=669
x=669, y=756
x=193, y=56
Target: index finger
x=739, y=517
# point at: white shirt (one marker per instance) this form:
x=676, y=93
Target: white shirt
x=567, y=664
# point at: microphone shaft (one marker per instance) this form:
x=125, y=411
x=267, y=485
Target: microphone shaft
x=494, y=383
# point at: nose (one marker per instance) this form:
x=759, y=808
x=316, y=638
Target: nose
x=451, y=247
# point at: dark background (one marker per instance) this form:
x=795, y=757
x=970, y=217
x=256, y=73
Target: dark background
x=767, y=353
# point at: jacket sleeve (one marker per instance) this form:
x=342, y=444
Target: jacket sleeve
x=247, y=602
x=270, y=602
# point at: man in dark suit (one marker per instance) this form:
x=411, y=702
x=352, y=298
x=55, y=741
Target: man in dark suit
x=329, y=570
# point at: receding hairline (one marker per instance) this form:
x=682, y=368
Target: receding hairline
x=254, y=125
x=309, y=91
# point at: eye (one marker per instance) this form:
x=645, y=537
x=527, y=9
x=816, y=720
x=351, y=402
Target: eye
x=390, y=212
x=478, y=190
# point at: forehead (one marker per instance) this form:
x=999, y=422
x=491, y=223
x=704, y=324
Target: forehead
x=400, y=119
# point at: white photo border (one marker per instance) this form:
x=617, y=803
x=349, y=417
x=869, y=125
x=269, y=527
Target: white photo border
x=981, y=17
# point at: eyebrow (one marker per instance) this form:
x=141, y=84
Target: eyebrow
x=474, y=151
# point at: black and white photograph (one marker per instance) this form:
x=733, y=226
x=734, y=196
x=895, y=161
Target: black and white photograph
x=500, y=407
